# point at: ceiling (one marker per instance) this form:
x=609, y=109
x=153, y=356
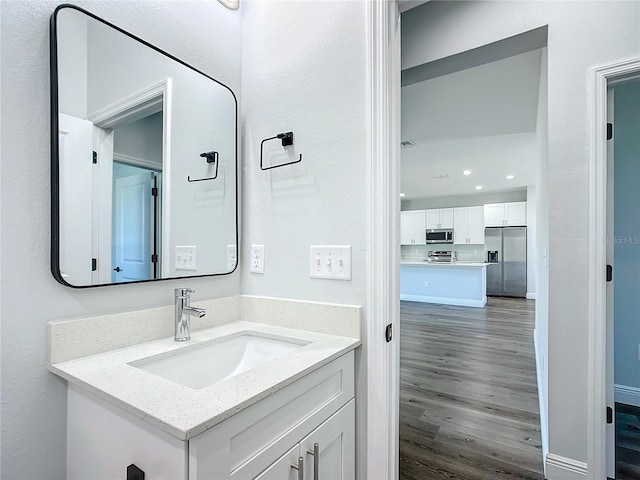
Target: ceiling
x=481, y=119
x=404, y=5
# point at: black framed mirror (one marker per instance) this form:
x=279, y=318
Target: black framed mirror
x=144, y=160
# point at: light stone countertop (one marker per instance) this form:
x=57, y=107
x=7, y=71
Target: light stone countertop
x=424, y=263
x=184, y=412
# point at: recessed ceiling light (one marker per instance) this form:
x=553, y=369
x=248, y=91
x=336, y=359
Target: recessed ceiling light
x=466, y=172
x=510, y=177
x=478, y=187
x=401, y=195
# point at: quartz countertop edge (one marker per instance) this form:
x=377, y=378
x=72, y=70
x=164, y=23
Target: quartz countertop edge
x=185, y=412
x=424, y=263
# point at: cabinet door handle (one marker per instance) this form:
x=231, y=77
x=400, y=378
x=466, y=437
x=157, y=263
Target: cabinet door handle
x=300, y=468
x=315, y=453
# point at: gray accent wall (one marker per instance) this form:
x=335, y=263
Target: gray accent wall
x=626, y=248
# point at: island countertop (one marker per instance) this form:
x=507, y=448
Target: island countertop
x=424, y=263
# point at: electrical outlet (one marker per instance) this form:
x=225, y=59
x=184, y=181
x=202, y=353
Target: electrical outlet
x=185, y=258
x=330, y=262
x=256, y=259
x=232, y=257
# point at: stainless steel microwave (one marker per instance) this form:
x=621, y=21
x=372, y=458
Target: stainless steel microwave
x=443, y=235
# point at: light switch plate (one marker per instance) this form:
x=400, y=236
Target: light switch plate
x=256, y=259
x=232, y=257
x=186, y=257
x=330, y=262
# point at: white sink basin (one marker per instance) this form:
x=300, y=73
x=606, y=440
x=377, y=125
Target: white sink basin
x=202, y=365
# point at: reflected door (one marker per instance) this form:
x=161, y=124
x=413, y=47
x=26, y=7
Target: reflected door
x=75, y=142
x=133, y=227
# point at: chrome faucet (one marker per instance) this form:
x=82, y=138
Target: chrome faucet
x=184, y=310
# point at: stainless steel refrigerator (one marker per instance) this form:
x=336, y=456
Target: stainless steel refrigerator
x=506, y=249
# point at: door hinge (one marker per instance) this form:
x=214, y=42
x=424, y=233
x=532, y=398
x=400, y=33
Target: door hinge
x=609, y=131
x=609, y=273
x=94, y=157
x=154, y=191
x=609, y=415
x=388, y=332
x=94, y=264
x=154, y=258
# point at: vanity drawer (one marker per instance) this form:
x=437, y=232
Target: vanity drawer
x=244, y=445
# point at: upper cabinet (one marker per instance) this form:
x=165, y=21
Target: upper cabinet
x=512, y=214
x=468, y=225
x=439, y=218
x=412, y=227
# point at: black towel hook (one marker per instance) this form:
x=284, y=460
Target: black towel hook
x=287, y=140
x=212, y=157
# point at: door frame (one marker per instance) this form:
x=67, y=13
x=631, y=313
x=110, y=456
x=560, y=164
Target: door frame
x=380, y=455
x=149, y=100
x=599, y=80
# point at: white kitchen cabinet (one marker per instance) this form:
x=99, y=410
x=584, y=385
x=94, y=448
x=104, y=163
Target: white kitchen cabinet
x=412, y=227
x=513, y=214
x=260, y=442
x=468, y=225
x=439, y=218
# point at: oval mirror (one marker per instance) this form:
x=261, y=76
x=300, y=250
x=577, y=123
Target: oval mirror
x=143, y=163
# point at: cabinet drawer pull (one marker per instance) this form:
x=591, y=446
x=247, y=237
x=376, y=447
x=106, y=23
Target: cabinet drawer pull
x=300, y=468
x=315, y=453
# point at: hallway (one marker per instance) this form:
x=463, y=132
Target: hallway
x=468, y=392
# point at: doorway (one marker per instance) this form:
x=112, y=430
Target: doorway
x=623, y=250
x=472, y=370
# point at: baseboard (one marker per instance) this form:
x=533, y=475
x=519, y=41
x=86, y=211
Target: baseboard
x=628, y=395
x=462, y=302
x=563, y=468
x=543, y=410
x=531, y=296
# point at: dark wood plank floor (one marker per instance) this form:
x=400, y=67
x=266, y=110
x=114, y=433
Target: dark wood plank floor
x=468, y=392
x=627, y=442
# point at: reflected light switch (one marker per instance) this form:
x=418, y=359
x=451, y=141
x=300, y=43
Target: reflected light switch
x=185, y=258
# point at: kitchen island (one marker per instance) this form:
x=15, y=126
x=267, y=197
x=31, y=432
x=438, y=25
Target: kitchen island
x=459, y=283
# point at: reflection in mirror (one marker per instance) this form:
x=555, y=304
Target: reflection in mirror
x=130, y=125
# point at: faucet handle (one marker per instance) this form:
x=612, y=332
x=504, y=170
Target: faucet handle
x=183, y=292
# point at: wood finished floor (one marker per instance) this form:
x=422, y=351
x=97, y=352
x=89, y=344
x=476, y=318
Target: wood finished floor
x=627, y=442
x=468, y=392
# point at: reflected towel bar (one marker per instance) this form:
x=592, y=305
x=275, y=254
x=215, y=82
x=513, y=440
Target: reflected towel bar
x=287, y=139
x=212, y=157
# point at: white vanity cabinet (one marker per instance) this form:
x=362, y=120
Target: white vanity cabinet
x=261, y=441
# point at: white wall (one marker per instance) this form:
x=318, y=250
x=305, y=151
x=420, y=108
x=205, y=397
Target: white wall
x=304, y=69
x=141, y=139
x=33, y=400
x=519, y=195
x=580, y=35
x=541, y=333
x=531, y=241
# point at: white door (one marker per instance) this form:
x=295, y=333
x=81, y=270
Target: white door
x=460, y=225
x=446, y=218
x=75, y=180
x=132, y=228
x=336, y=445
x=475, y=227
x=494, y=215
